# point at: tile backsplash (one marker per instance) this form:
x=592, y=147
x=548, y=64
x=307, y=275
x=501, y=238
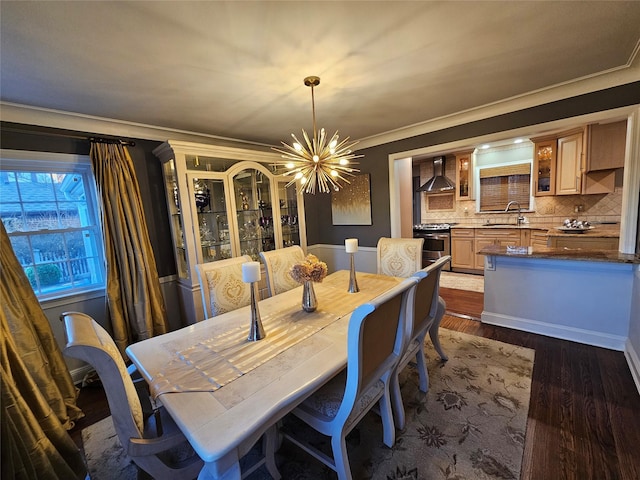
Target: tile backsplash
x=546, y=210
x=605, y=207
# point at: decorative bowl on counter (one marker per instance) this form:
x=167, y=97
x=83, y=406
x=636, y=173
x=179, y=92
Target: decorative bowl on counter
x=571, y=225
x=574, y=229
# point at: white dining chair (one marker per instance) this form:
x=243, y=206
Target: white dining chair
x=428, y=310
x=375, y=340
x=277, y=264
x=222, y=287
x=147, y=441
x=399, y=257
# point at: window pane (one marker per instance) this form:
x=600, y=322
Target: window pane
x=52, y=225
x=22, y=249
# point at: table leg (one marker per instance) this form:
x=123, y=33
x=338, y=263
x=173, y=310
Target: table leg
x=212, y=471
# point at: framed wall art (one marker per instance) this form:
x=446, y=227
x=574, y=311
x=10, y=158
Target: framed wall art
x=351, y=205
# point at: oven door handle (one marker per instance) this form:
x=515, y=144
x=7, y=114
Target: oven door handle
x=436, y=236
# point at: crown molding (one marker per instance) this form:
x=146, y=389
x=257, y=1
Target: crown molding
x=29, y=115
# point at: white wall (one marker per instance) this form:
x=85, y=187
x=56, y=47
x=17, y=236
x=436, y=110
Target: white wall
x=632, y=350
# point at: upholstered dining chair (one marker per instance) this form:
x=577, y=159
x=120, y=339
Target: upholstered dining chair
x=399, y=257
x=222, y=287
x=428, y=310
x=375, y=340
x=277, y=264
x=155, y=444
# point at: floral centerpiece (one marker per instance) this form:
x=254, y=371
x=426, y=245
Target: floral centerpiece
x=310, y=270
x=307, y=272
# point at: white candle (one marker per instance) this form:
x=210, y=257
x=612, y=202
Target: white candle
x=251, y=272
x=351, y=245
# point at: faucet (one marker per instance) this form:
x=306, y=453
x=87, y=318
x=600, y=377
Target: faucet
x=520, y=218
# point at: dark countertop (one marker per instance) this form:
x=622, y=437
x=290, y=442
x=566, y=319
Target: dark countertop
x=611, y=256
x=599, y=231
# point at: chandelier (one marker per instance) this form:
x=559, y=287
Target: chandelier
x=320, y=162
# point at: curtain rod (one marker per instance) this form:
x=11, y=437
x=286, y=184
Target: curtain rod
x=128, y=143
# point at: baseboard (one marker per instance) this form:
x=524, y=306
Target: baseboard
x=634, y=363
x=588, y=337
x=78, y=374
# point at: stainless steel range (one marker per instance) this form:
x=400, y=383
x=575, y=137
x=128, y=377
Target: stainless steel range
x=437, y=241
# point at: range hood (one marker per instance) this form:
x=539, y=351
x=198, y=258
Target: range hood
x=438, y=183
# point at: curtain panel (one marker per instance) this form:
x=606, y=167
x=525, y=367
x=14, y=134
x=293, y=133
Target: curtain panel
x=38, y=396
x=134, y=297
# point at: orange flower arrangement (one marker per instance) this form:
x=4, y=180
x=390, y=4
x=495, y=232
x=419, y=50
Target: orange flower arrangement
x=312, y=269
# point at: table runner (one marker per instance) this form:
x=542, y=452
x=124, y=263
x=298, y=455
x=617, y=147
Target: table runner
x=211, y=358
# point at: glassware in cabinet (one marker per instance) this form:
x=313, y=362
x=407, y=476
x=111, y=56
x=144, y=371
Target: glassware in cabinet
x=464, y=175
x=254, y=212
x=213, y=224
x=289, y=219
x=175, y=217
x=544, y=167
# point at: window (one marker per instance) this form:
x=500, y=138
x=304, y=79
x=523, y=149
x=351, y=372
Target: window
x=49, y=209
x=501, y=185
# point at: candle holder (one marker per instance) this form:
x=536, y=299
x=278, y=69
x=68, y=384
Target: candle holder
x=353, y=282
x=256, y=331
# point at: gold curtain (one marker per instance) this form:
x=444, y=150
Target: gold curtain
x=38, y=395
x=133, y=289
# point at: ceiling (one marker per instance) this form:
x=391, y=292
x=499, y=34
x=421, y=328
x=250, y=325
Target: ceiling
x=235, y=69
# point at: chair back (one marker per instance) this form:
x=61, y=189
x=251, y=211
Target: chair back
x=222, y=287
x=89, y=342
x=375, y=340
x=426, y=297
x=277, y=264
x=399, y=257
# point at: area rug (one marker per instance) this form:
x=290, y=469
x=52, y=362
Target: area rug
x=470, y=425
x=462, y=281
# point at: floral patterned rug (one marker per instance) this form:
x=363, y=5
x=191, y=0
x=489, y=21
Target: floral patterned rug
x=470, y=425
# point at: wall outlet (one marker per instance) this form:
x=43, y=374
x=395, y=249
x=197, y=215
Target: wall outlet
x=578, y=208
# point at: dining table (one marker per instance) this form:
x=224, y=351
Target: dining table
x=225, y=391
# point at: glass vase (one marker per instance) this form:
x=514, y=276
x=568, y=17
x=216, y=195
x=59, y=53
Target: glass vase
x=309, y=301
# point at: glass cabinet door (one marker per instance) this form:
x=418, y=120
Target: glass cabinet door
x=213, y=223
x=174, y=207
x=289, y=220
x=254, y=212
x=544, y=168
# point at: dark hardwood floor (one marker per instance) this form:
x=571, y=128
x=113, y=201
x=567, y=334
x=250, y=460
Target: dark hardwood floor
x=584, y=413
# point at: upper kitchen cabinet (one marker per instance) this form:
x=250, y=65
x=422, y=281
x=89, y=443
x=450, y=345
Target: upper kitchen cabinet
x=225, y=202
x=607, y=143
x=544, y=166
x=464, y=175
x=569, y=163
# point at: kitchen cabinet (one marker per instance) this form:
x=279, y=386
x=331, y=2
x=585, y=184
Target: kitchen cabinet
x=544, y=166
x=569, y=163
x=464, y=175
x=503, y=237
x=224, y=202
x=585, y=242
x=462, y=244
x=607, y=144
x=538, y=238
x=466, y=242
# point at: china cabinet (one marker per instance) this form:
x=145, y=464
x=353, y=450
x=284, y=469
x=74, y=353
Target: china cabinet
x=464, y=175
x=544, y=167
x=224, y=202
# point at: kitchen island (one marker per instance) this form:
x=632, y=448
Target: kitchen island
x=574, y=294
